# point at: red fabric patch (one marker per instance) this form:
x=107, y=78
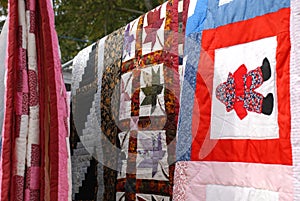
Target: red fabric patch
x=33, y=94
x=25, y=108
x=66, y=123
x=20, y=81
x=32, y=21
x=275, y=151
x=23, y=59
x=35, y=155
x=21, y=75
x=34, y=195
x=18, y=125
x=28, y=178
x=34, y=178
x=27, y=4
x=20, y=36
x=154, y=24
x=19, y=187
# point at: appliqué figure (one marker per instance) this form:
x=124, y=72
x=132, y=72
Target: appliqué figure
x=238, y=92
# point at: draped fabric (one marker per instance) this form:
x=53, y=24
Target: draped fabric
x=153, y=115
x=125, y=104
x=34, y=148
x=222, y=156
x=152, y=106
x=3, y=44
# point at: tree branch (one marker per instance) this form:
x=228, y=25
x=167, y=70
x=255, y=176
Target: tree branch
x=130, y=10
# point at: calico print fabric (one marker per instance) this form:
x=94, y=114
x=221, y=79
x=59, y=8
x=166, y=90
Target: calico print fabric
x=94, y=130
x=125, y=105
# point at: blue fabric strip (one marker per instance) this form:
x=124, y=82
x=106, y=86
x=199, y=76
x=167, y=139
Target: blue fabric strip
x=195, y=23
x=192, y=49
x=194, y=27
x=239, y=10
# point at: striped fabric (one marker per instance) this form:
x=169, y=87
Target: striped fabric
x=34, y=148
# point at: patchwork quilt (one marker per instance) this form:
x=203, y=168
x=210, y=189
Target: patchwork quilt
x=194, y=100
x=33, y=105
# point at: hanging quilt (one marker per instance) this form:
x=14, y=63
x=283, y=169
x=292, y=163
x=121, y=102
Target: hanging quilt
x=195, y=100
x=34, y=148
x=125, y=103
x=241, y=126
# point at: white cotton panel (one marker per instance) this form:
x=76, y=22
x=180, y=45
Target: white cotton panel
x=32, y=63
x=79, y=63
x=34, y=126
x=160, y=35
x=180, y=6
x=235, y=193
x=132, y=32
x=227, y=125
x=192, y=7
x=21, y=143
x=22, y=21
x=223, y=2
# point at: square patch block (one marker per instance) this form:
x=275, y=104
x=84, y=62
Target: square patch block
x=244, y=142
x=228, y=125
x=152, y=156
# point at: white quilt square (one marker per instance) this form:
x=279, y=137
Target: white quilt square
x=152, y=197
x=152, y=89
x=129, y=41
x=155, y=40
x=236, y=193
x=123, y=155
x=120, y=196
x=126, y=94
x=152, y=156
x=227, y=125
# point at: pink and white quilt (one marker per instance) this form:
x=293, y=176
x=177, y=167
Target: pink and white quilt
x=34, y=153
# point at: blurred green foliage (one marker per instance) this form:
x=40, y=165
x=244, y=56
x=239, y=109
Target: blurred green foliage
x=3, y=12
x=80, y=23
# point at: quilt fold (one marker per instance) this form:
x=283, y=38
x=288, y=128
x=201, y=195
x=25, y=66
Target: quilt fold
x=34, y=153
